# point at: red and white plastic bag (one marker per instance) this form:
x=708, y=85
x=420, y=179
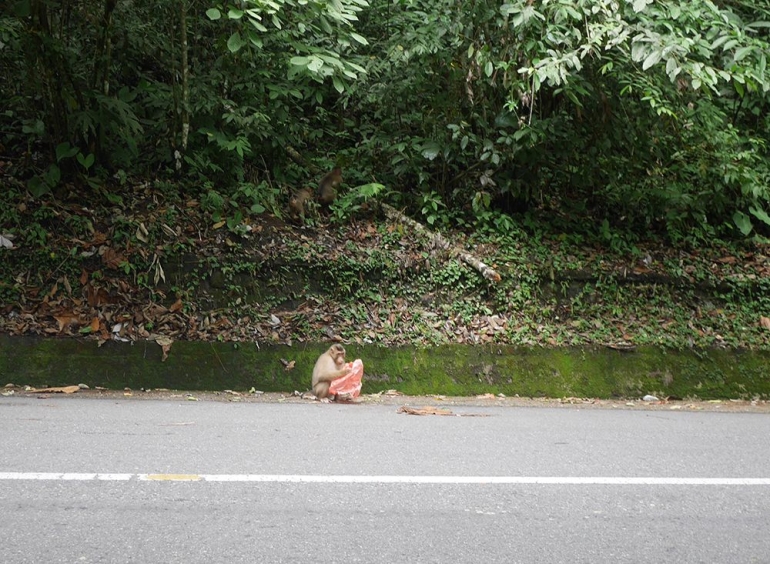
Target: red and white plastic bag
x=349, y=385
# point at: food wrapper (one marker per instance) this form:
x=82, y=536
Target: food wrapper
x=349, y=385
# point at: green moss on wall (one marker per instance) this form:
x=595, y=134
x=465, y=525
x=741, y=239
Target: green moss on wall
x=450, y=370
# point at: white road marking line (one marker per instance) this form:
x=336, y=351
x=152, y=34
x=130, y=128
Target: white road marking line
x=457, y=480
x=67, y=476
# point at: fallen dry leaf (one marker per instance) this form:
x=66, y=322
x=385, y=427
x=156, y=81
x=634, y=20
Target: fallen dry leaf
x=765, y=322
x=66, y=320
x=58, y=390
x=486, y=396
x=112, y=258
x=424, y=410
x=165, y=344
x=436, y=411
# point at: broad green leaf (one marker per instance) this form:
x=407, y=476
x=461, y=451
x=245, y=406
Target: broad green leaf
x=359, y=38
x=672, y=68
x=574, y=14
x=339, y=86
x=213, y=14
x=258, y=25
x=719, y=41
x=53, y=175
x=358, y=68
x=741, y=53
x=430, y=150
x=86, y=162
x=489, y=68
x=65, y=151
x=37, y=187
x=742, y=222
x=234, y=14
x=332, y=60
x=652, y=59
x=235, y=42
x=253, y=38
x=760, y=214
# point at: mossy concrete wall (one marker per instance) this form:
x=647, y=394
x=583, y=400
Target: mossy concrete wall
x=451, y=370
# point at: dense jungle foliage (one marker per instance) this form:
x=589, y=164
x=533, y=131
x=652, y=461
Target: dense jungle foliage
x=640, y=117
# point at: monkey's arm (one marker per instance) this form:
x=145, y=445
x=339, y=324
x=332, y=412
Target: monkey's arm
x=329, y=376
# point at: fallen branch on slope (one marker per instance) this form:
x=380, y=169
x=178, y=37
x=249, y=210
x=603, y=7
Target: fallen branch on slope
x=439, y=241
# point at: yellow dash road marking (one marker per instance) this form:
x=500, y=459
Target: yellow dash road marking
x=172, y=477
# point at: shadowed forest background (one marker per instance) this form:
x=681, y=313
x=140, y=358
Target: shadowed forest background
x=578, y=146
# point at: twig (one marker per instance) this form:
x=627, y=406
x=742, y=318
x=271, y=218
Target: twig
x=219, y=359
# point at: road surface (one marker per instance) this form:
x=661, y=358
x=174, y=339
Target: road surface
x=115, y=481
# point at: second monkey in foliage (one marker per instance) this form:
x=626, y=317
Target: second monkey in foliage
x=327, y=187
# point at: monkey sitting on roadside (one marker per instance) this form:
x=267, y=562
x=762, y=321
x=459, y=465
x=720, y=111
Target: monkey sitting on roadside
x=327, y=187
x=329, y=366
x=298, y=204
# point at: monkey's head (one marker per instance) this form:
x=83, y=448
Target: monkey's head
x=337, y=353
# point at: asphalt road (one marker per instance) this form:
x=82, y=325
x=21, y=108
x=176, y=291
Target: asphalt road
x=209, y=482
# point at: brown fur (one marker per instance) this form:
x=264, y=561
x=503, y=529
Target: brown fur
x=329, y=366
x=327, y=188
x=298, y=204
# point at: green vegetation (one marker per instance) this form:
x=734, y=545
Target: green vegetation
x=613, y=119
x=609, y=158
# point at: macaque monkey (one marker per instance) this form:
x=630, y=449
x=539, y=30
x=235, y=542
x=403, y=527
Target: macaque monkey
x=329, y=366
x=327, y=188
x=298, y=204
